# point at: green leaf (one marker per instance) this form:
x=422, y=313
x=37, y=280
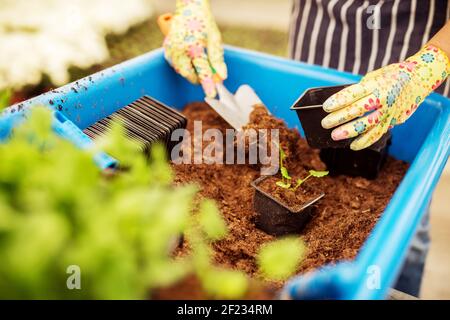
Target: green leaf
x=38, y=125
x=278, y=260
x=5, y=98
x=115, y=143
x=283, y=185
x=225, y=284
x=160, y=168
x=211, y=220
x=318, y=174
x=285, y=173
x=168, y=272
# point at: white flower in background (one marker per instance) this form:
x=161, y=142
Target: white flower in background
x=40, y=37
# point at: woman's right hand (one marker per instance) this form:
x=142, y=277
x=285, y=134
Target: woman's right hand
x=193, y=45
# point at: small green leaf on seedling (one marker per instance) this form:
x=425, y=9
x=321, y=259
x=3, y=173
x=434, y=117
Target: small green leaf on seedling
x=318, y=174
x=285, y=173
x=278, y=260
x=285, y=177
x=211, y=220
x=283, y=185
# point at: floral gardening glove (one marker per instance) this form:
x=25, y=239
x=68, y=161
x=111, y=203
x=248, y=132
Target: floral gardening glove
x=193, y=45
x=385, y=97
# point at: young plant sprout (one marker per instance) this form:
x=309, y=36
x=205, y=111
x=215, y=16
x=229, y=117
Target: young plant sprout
x=286, y=179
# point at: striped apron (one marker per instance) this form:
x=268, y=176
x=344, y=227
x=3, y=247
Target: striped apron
x=343, y=34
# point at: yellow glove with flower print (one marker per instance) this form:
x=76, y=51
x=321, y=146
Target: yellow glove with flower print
x=385, y=97
x=193, y=45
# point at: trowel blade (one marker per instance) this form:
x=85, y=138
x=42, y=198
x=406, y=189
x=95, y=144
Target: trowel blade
x=230, y=115
x=226, y=97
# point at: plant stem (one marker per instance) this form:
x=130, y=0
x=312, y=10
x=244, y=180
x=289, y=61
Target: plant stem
x=302, y=182
x=281, y=160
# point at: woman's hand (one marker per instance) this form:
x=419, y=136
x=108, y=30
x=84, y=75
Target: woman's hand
x=385, y=97
x=193, y=45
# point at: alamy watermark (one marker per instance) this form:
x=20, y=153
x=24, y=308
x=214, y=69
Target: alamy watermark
x=373, y=281
x=73, y=281
x=374, y=20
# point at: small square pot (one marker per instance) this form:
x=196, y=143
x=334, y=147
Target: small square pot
x=310, y=113
x=337, y=155
x=366, y=163
x=277, y=219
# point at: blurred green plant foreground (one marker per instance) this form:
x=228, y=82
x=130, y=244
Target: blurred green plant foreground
x=59, y=212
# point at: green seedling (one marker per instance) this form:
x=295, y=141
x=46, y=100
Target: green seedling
x=286, y=179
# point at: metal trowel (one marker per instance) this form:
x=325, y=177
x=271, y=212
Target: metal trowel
x=236, y=108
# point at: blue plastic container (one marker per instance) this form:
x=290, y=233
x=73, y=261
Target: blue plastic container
x=423, y=141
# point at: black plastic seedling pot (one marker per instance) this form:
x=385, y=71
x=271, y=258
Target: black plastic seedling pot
x=366, y=163
x=310, y=113
x=277, y=219
x=337, y=155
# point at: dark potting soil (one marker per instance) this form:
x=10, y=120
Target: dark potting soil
x=294, y=199
x=344, y=217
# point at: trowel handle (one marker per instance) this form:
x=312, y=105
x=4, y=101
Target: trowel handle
x=164, y=23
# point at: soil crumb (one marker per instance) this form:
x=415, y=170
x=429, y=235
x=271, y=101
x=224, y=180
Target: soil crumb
x=344, y=217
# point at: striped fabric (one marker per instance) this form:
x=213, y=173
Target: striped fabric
x=335, y=33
